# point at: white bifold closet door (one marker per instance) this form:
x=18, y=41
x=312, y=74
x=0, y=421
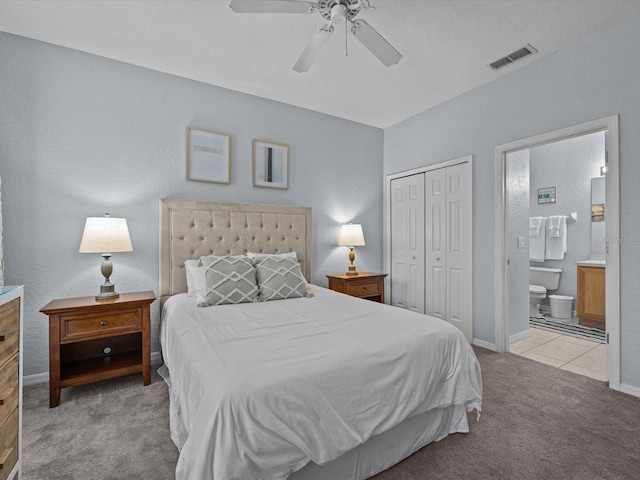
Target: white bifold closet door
x=449, y=246
x=431, y=244
x=407, y=242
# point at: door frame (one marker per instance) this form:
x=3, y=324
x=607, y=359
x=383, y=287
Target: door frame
x=612, y=272
x=387, y=217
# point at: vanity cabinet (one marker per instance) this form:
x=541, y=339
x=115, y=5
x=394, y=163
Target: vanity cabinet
x=591, y=296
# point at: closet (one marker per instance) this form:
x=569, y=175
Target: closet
x=431, y=242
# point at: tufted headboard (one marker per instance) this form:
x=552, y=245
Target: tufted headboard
x=191, y=229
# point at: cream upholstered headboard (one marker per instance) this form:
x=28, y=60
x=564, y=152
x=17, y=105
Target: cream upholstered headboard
x=191, y=229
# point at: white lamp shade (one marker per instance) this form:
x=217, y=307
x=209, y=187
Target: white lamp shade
x=351, y=235
x=105, y=235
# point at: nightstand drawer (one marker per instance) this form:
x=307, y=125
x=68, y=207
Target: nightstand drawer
x=364, y=289
x=9, y=329
x=9, y=384
x=8, y=444
x=364, y=285
x=96, y=325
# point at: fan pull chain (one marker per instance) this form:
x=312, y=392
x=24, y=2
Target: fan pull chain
x=346, y=50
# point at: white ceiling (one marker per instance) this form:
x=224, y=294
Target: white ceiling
x=446, y=45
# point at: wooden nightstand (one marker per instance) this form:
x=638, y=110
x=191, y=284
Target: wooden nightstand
x=92, y=340
x=364, y=285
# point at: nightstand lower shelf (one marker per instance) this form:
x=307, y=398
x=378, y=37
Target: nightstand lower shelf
x=96, y=369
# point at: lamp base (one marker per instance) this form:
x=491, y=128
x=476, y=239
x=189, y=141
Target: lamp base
x=352, y=271
x=107, y=292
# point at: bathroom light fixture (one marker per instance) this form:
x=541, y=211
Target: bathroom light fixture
x=101, y=235
x=603, y=170
x=351, y=236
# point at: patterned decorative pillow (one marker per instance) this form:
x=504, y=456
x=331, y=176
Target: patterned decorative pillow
x=279, y=278
x=230, y=279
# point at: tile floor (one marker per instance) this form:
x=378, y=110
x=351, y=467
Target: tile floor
x=563, y=351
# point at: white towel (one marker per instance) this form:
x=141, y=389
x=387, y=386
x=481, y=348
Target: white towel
x=534, y=226
x=556, y=245
x=554, y=226
x=537, y=243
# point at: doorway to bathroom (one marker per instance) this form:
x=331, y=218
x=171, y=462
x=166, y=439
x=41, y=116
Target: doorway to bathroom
x=556, y=170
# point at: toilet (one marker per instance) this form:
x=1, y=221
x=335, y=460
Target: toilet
x=541, y=280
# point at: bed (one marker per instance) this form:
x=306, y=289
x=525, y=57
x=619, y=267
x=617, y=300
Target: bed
x=320, y=386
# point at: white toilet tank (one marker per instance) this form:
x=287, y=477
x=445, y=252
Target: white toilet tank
x=548, y=278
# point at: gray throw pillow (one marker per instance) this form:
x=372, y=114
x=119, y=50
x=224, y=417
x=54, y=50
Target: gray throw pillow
x=280, y=278
x=230, y=279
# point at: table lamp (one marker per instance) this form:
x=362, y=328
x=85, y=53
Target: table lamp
x=101, y=235
x=351, y=236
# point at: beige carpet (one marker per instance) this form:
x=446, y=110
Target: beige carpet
x=537, y=422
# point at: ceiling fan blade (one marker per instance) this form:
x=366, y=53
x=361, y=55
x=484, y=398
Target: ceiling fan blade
x=375, y=43
x=272, y=6
x=311, y=51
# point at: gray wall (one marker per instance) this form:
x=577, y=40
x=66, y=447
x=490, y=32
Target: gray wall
x=82, y=135
x=590, y=80
x=569, y=166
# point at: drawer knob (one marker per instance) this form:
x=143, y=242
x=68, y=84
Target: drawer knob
x=103, y=323
x=5, y=456
x=364, y=288
x=4, y=336
x=5, y=396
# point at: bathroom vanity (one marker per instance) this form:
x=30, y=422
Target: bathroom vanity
x=590, y=302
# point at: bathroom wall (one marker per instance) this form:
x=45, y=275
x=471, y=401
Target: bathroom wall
x=518, y=196
x=569, y=166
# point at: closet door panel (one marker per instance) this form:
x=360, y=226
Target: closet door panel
x=436, y=241
x=459, y=248
x=407, y=242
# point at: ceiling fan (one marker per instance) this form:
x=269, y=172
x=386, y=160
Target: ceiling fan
x=338, y=12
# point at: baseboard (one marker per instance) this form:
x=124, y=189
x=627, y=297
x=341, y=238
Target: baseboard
x=516, y=337
x=35, y=378
x=156, y=361
x=630, y=389
x=483, y=344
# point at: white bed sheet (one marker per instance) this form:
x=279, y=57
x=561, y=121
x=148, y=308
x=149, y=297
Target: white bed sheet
x=259, y=390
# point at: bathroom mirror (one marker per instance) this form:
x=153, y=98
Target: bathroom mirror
x=598, y=230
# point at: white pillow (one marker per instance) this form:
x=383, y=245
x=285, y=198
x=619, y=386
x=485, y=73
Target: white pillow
x=195, y=277
x=256, y=257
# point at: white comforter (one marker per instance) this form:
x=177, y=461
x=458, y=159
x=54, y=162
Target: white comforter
x=258, y=390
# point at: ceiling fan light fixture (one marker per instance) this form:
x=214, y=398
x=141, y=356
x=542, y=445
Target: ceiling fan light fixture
x=339, y=14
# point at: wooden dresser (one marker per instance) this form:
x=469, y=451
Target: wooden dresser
x=92, y=340
x=364, y=285
x=11, y=311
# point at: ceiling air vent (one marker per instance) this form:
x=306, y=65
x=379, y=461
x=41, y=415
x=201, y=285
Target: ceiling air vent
x=513, y=57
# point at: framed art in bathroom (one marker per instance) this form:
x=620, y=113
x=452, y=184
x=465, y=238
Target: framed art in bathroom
x=208, y=156
x=270, y=164
x=547, y=195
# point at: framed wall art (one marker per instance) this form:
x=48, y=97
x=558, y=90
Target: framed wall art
x=270, y=164
x=208, y=156
x=547, y=195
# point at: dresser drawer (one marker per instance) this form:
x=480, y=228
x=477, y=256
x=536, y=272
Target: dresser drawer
x=9, y=385
x=363, y=289
x=8, y=444
x=99, y=324
x=9, y=329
